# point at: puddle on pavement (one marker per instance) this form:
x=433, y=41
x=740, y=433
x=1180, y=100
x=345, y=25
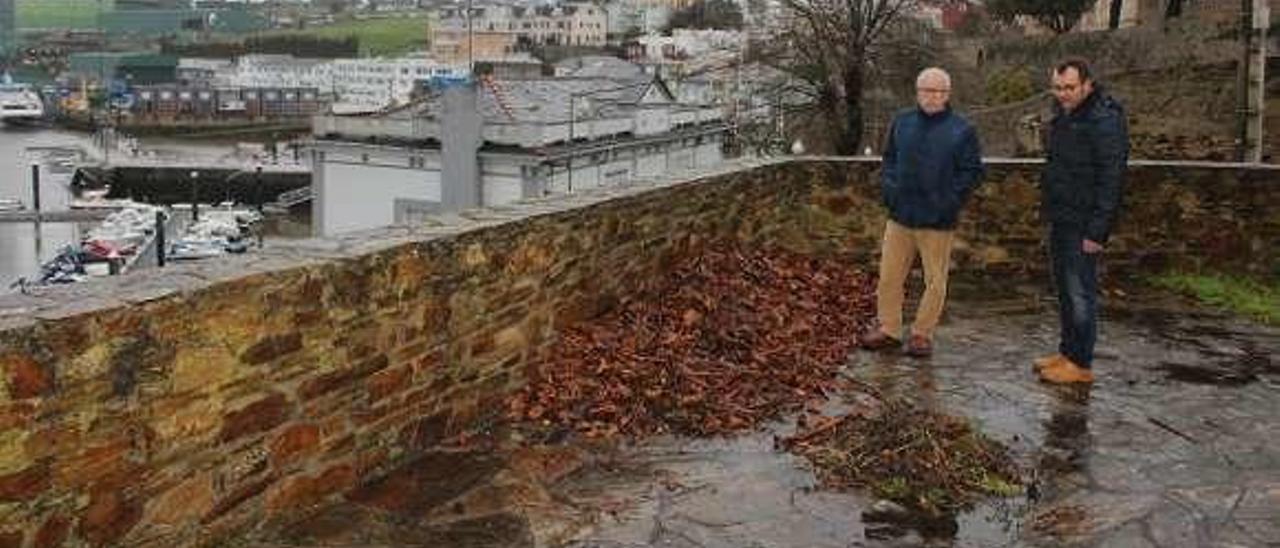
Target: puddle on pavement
x=1227, y=370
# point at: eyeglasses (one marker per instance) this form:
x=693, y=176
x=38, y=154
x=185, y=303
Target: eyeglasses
x=934, y=90
x=1067, y=88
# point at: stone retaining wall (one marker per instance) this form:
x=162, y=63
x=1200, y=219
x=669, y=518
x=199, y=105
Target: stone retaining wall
x=177, y=407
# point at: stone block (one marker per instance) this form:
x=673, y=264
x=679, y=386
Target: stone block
x=14, y=450
x=302, y=491
x=25, y=485
x=11, y=539
x=236, y=497
x=257, y=417
x=109, y=517
x=341, y=379
x=50, y=441
x=294, y=444
x=104, y=461
x=26, y=377
x=202, y=369
x=272, y=347
x=186, y=421
x=184, y=503
x=16, y=415
x=389, y=381
x=53, y=532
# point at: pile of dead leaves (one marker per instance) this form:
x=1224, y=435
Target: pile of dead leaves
x=926, y=461
x=729, y=339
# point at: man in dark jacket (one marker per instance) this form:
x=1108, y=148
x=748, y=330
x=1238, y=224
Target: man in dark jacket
x=1088, y=149
x=932, y=163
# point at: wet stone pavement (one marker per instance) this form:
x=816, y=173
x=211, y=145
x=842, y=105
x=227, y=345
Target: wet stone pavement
x=1177, y=444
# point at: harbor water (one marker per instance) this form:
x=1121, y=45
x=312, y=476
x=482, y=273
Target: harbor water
x=25, y=245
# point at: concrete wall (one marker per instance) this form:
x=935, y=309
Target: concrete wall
x=190, y=403
x=357, y=188
x=358, y=185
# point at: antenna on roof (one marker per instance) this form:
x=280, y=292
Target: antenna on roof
x=471, y=44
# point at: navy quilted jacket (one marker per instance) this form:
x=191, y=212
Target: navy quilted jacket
x=932, y=163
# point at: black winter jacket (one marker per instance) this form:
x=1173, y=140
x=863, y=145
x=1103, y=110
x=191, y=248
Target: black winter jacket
x=1083, y=179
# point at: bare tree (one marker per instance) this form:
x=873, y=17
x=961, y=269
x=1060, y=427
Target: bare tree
x=828, y=47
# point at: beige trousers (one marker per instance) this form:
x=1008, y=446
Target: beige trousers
x=901, y=244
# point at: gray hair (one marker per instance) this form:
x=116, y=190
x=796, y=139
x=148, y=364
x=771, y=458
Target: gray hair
x=932, y=73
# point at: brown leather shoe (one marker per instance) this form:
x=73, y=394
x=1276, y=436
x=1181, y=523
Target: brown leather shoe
x=1045, y=361
x=919, y=346
x=1066, y=371
x=875, y=339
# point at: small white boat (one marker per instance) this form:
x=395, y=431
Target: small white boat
x=19, y=103
x=192, y=248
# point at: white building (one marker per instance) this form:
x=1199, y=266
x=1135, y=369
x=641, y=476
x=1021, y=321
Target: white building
x=364, y=85
x=598, y=66
x=280, y=71
x=214, y=72
x=692, y=43
x=521, y=139
x=351, y=85
x=645, y=16
x=494, y=29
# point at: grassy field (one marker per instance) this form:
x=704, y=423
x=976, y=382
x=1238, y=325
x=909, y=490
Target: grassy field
x=388, y=36
x=1249, y=297
x=80, y=14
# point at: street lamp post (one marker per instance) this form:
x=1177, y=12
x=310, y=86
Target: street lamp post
x=257, y=186
x=573, y=115
x=195, y=196
x=35, y=188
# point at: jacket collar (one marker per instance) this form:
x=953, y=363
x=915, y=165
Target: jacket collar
x=946, y=111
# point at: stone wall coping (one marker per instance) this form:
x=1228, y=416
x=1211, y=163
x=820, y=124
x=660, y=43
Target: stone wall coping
x=1010, y=161
x=51, y=303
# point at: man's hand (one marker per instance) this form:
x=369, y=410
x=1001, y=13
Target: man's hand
x=1091, y=247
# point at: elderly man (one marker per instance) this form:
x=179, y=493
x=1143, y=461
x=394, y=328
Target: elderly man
x=1088, y=149
x=932, y=163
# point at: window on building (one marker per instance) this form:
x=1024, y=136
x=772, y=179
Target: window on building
x=205, y=96
x=364, y=158
x=166, y=95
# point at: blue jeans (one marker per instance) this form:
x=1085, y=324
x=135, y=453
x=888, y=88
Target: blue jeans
x=1075, y=274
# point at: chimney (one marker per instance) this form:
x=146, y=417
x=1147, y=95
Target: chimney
x=459, y=147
